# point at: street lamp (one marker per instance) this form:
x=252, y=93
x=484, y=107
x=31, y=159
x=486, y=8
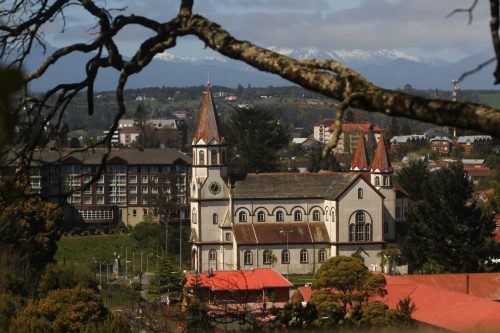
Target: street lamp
x=286, y=232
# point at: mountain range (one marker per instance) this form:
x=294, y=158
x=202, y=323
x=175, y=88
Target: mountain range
x=386, y=68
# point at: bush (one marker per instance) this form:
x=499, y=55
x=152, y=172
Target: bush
x=85, y=233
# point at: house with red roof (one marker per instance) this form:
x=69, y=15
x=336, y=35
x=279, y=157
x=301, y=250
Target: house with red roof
x=242, y=287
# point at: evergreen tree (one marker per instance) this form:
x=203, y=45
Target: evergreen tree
x=447, y=232
x=412, y=178
x=256, y=137
x=167, y=279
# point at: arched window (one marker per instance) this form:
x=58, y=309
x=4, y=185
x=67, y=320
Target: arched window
x=360, y=193
x=316, y=215
x=327, y=215
x=360, y=231
x=212, y=255
x=248, y=257
x=333, y=216
x=280, y=216
x=242, y=216
x=360, y=217
x=386, y=180
x=266, y=257
x=285, y=257
x=193, y=216
x=368, y=233
x=261, y=216
x=321, y=255
x=352, y=235
x=377, y=181
x=213, y=157
x=215, y=218
x=304, y=256
x=201, y=157
x=297, y=215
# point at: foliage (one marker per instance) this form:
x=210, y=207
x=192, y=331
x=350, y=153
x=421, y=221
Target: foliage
x=413, y=176
x=319, y=162
x=350, y=279
x=447, y=232
x=141, y=118
x=167, y=278
x=256, y=137
x=10, y=82
x=112, y=324
x=149, y=235
x=66, y=277
x=63, y=310
x=391, y=257
x=295, y=316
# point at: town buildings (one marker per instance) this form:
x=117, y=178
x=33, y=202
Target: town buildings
x=292, y=222
x=124, y=192
x=348, y=140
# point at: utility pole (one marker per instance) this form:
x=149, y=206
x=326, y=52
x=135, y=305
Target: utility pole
x=286, y=232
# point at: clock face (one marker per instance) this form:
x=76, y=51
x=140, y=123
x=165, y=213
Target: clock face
x=214, y=187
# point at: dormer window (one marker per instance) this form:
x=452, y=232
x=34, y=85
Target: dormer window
x=242, y=216
x=261, y=216
x=377, y=181
x=386, y=181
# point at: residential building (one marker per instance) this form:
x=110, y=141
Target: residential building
x=441, y=145
x=290, y=221
x=470, y=142
x=349, y=137
x=124, y=192
x=415, y=140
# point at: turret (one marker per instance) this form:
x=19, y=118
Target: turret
x=360, y=162
x=381, y=169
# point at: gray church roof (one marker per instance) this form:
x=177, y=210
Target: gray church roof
x=287, y=185
x=269, y=233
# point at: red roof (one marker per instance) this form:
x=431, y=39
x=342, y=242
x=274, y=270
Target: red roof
x=208, y=127
x=357, y=127
x=255, y=279
x=130, y=130
x=380, y=161
x=442, y=307
x=306, y=292
x=360, y=158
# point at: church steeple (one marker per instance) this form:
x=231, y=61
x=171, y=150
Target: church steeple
x=208, y=127
x=381, y=170
x=360, y=160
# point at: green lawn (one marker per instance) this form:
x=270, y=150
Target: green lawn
x=490, y=99
x=84, y=250
x=301, y=279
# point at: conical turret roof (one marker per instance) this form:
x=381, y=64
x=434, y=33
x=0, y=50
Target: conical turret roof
x=208, y=127
x=360, y=160
x=381, y=162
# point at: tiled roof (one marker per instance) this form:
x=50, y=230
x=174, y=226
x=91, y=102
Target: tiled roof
x=292, y=185
x=474, y=138
x=357, y=127
x=269, y=233
x=380, y=161
x=360, y=161
x=444, y=308
x=208, y=127
x=165, y=156
x=255, y=279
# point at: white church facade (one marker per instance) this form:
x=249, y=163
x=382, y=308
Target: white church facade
x=290, y=221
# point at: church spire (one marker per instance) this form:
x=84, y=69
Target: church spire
x=381, y=162
x=360, y=158
x=208, y=127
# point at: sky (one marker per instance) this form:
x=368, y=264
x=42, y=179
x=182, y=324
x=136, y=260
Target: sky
x=416, y=27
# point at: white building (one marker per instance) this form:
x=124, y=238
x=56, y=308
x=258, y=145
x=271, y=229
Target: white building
x=290, y=221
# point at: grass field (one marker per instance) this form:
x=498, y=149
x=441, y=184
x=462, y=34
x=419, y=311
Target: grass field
x=490, y=99
x=84, y=250
x=301, y=279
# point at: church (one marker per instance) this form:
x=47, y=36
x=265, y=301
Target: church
x=292, y=222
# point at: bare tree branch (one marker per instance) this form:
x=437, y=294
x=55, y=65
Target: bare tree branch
x=469, y=11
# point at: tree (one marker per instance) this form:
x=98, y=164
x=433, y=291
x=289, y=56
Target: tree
x=350, y=280
x=448, y=232
x=390, y=257
x=167, y=279
x=24, y=22
x=413, y=176
x=65, y=277
x=256, y=137
x=141, y=119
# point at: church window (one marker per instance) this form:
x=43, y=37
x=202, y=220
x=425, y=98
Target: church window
x=248, y=257
x=212, y=255
x=360, y=232
x=386, y=180
x=242, y=217
x=377, y=181
x=266, y=257
x=326, y=215
x=261, y=216
x=201, y=157
x=360, y=217
x=316, y=215
x=213, y=156
x=228, y=236
x=297, y=216
x=193, y=216
x=333, y=216
x=304, y=256
x=280, y=217
x=215, y=218
x=368, y=233
x=360, y=193
x=285, y=257
x=351, y=233
x=321, y=255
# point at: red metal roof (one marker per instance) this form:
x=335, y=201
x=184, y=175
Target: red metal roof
x=442, y=307
x=380, y=161
x=360, y=158
x=208, y=127
x=255, y=279
x=306, y=292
